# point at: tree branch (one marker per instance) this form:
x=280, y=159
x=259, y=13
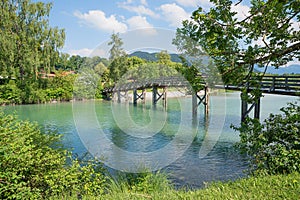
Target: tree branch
x=290, y=49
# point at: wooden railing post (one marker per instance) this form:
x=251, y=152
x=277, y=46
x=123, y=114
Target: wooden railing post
x=286, y=83
x=273, y=83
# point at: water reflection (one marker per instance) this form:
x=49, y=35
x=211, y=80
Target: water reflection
x=222, y=161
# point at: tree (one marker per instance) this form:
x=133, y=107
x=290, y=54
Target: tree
x=265, y=36
x=116, y=44
x=27, y=42
x=163, y=57
x=117, y=57
x=76, y=62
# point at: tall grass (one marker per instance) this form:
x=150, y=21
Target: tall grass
x=156, y=186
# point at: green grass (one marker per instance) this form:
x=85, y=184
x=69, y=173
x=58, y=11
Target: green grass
x=156, y=187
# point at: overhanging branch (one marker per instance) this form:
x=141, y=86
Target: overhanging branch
x=290, y=49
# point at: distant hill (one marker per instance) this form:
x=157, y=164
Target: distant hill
x=152, y=56
x=291, y=69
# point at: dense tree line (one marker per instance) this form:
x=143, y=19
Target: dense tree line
x=33, y=70
x=83, y=77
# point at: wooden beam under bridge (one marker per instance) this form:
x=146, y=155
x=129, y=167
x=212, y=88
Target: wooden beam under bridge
x=198, y=100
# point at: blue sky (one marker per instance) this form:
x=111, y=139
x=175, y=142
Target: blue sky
x=90, y=23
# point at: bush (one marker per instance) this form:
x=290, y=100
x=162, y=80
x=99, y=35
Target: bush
x=10, y=93
x=274, y=146
x=33, y=165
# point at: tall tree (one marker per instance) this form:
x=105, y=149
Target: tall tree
x=117, y=57
x=116, y=44
x=27, y=42
x=267, y=35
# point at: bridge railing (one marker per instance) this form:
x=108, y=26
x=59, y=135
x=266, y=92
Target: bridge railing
x=269, y=84
x=288, y=83
x=170, y=81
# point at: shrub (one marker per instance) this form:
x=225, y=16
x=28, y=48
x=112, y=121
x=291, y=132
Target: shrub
x=273, y=146
x=33, y=165
x=10, y=93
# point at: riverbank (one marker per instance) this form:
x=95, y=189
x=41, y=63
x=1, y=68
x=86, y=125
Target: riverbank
x=266, y=187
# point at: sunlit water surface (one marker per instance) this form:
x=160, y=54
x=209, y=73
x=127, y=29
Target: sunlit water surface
x=213, y=136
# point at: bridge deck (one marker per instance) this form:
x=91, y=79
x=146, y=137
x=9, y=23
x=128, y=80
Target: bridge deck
x=282, y=85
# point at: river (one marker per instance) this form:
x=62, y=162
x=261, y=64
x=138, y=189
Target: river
x=192, y=151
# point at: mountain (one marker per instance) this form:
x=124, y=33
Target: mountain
x=152, y=56
x=291, y=69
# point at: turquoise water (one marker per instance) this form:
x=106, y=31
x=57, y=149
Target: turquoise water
x=191, y=150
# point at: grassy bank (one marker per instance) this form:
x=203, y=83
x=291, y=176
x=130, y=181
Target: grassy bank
x=268, y=187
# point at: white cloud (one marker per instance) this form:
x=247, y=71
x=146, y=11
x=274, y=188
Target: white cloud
x=144, y=2
x=242, y=11
x=140, y=10
x=195, y=3
x=97, y=19
x=174, y=14
x=139, y=22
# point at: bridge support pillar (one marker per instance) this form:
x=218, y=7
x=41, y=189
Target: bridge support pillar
x=204, y=100
x=126, y=96
x=194, y=104
x=137, y=96
x=156, y=96
x=257, y=109
x=119, y=96
x=114, y=97
x=245, y=111
x=144, y=96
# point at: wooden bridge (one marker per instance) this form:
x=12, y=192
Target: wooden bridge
x=159, y=90
x=280, y=85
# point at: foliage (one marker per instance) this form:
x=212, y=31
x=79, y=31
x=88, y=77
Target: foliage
x=266, y=35
x=10, y=93
x=27, y=43
x=117, y=57
x=191, y=74
x=116, y=44
x=117, y=68
x=274, y=146
x=34, y=166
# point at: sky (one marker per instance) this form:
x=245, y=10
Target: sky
x=142, y=24
x=89, y=24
